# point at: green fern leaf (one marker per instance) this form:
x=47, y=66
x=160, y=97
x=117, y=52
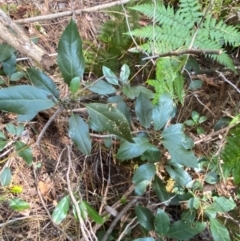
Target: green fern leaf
x=231, y=154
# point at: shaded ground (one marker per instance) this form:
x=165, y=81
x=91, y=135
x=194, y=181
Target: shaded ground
x=99, y=178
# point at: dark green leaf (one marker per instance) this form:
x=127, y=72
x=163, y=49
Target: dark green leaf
x=179, y=175
x=195, y=84
x=18, y=205
x=160, y=189
x=61, y=210
x=129, y=150
x=164, y=111
x=75, y=84
x=12, y=129
x=86, y=208
x=211, y=178
x=144, y=172
x=173, y=137
x=138, y=89
x=110, y=119
x=5, y=176
x=3, y=143
x=192, y=65
x=129, y=91
x=183, y=230
x=193, y=202
x=219, y=232
x=79, y=133
x=188, y=215
x=6, y=52
x=25, y=100
x=108, y=142
x=223, y=122
x=9, y=65
x=101, y=87
x=24, y=151
x=145, y=217
x=17, y=76
x=152, y=154
x=144, y=108
x=162, y=223
x=124, y=74
x=141, y=187
x=109, y=76
x=2, y=136
x=70, y=57
x=42, y=81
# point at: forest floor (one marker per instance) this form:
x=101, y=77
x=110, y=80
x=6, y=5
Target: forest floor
x=99, y=178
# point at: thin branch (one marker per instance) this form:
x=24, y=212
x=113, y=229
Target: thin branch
x=187, y=51
x=70, y=13
x=228, y=81
x=118, y=217
x=85, y=232
x=60, y=109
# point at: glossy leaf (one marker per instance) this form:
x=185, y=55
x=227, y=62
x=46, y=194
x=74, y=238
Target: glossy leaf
x=141, y=187
x=110, y=119
x=109, y=76
x=88, y=209
x=129, y=150
x=12, y=129
x=125, y=73
x=143, y=109
x=144, y=172
x=18, y=205
x=9, y=65
x=75, y=85
x=5, y=176
x=6, y=51
x=61, y=210
x=70, y=56
x=173, y=138
x=24, y=151
x=42, y=81
x=145, y=217
x=161, y=223
x=152, y=154
x=179, y=175
x=219, y=232
x=17, y=76
x=79, y=133
x=183, y=230
x=101, y=87
x=160, y=189
x=211, y=178
x=25, y=100
x=163, y=111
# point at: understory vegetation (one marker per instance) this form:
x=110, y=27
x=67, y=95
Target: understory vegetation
x=148, y=61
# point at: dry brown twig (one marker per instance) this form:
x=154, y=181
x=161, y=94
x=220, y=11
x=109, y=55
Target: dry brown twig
x=70, y=13
x=13, y=35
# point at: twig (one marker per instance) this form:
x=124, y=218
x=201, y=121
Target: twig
x=126, y=228
x=70, y=13
x=17, y=219
x=59, y=110
x=187, y=51
x=44, y=205
x=228, y=81
x=85, y=232
x=118, y=217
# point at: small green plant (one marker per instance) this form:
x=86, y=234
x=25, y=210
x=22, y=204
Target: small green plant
x=196, y=121
x=114, y=118
x=178, y=33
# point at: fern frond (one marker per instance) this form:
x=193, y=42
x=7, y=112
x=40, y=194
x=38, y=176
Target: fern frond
x=221, y=32
x=231, y=153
